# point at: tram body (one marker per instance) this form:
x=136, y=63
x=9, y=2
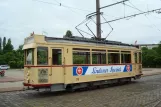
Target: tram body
x=61, y=63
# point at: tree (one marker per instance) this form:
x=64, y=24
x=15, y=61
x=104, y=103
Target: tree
x=68, y=34
x=20, y=49
x=2, y=60
x=4, y=43
x=0, y=44
x=20, y=54
x=9, y=46
x=14, y=58
x=159, y=49
x=151, y=57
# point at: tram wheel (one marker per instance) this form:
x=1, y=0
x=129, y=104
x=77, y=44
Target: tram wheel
x=70, y=88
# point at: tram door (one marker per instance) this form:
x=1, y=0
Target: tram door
x=57, y=62
x=138, y=63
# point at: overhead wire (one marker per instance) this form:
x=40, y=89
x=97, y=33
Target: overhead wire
x=72, y=9
x=140, y=10
x=63, y=5
x=57, y=1
x=68, y=7
x=134, y=7
x=45, y=2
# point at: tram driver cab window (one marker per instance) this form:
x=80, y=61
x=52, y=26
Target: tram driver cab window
x=56, y=56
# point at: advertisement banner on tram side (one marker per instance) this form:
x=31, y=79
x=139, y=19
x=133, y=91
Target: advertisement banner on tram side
x=96, y=70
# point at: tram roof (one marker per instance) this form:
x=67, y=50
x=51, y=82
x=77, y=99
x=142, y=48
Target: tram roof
x=82, y=40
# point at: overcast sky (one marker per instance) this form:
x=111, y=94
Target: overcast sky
x=21, y=17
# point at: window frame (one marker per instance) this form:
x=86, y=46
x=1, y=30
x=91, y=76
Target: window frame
x=83, y=50
x=58, y=59
x=26, y=55
x=100, y=51
x=126, y=53
x=114, y=52
x=47, y=58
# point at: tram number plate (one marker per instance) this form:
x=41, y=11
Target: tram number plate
x=43, y=75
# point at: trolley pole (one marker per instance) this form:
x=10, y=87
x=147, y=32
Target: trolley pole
x=98, y=19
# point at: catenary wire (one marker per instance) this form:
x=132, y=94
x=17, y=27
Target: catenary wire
x=145, y=16
x=63, y=5
x=134, y=7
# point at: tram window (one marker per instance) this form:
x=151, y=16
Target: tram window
x=56, y=56
x=81, y=57
x=98, y=58
x=113, y=58
x=125, y=58
x=42, y=56
x=29, y=57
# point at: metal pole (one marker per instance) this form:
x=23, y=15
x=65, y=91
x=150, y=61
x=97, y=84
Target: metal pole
x=98, y=19
x=98, y=26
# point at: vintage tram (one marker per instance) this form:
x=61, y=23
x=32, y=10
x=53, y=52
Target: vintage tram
x=61, y=64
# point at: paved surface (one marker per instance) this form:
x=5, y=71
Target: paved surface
x=14, y=79
x=142, y=93
x=151, y=71
x=9, y=79
x=11, y=84
x=15, y=73
x=12, y=75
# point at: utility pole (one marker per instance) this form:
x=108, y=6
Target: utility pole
x=98, y=26
x=98, y=19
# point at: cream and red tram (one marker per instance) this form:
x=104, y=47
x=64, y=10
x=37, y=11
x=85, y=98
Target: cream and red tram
x=70, y=63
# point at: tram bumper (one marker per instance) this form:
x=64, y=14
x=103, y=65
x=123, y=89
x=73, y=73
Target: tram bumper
x=29, y=86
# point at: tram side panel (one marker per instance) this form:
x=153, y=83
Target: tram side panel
x=137, y=60
x=98, y=73
x=68, y=77
x=81, y=74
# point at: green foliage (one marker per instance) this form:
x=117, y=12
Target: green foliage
x=2, y=60
x=4, y=43
x=14, y=58
x=12, y=64
x=78, y=59
x=0, y=45
x=68, y=34
x=151, y=57
x=8, y=47
x=42, y=57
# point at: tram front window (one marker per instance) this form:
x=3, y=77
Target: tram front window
x=42, y=56
x=29, y=56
